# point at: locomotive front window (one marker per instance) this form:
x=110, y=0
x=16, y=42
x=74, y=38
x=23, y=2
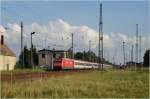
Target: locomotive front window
x=57, y=61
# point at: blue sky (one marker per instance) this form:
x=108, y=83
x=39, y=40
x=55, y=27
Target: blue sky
x=118, y=16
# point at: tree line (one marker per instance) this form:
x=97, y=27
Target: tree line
x=27, y=58
x=89, y=56
x=85, y=56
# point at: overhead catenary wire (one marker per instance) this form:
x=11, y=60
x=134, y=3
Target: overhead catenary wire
x=101, y=51
x=27, y=19
x=43, y=17
x=36, y=14
x=16, y=14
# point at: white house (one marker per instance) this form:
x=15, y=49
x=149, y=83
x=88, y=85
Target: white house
x=7, y=56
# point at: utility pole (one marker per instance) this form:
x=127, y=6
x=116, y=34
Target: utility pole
x=136, y=46
x=31, y=50
x=140, y=51
x=132, y=54
x=108, y=55
x=89, y=50
x=53, y=58
x=114, y=56
x=83, y=55
x=45, y=53
x=72, y=46
x=124, y=53
x=22, y=49
x=100, y=38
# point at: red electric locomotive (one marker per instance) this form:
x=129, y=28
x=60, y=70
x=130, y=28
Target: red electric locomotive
x=63, y=63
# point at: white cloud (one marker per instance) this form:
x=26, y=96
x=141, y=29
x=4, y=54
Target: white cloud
x=14, y=27
x=58, y=34
x=2, y=29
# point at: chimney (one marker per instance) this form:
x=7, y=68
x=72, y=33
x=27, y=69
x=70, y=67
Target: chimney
x=2, y=40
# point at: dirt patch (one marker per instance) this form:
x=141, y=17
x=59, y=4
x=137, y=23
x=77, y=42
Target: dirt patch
x=37, y=75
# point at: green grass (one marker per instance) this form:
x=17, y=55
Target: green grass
x=16, y=71
x=96, y=84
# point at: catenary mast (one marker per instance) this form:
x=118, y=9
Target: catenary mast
x=100, y=38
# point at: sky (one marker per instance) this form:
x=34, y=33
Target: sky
x=54, y=21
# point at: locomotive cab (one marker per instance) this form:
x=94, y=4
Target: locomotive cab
x=63, y=63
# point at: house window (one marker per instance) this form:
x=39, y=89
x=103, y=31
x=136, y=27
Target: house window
x=7, y=66
x=43, y=55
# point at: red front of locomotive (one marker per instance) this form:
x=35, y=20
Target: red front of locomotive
x=57, y=64
x=63, y=64
x=67, y=64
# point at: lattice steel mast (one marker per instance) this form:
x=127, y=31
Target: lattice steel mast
x=101, y=38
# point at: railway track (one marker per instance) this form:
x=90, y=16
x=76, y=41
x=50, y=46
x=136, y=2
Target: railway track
x=38, y=75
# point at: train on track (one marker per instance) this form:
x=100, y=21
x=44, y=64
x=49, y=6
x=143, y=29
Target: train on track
x=65, y=63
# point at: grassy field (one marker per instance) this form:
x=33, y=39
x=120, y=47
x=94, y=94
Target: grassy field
x=95, y=84
x=17, y=71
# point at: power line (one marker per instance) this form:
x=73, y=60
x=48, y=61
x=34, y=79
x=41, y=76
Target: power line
x=16, y=14
x=35, y=12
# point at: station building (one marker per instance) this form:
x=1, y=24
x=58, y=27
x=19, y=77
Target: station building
x=46, y=56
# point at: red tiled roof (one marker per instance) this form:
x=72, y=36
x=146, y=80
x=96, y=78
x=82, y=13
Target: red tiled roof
x=4, y=50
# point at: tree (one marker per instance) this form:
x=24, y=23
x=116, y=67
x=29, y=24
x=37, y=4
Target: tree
x=86, y=56
x=27, y=58
x=69, y=53
x=27, y=63
x=35, y=56
x=89, y=56
x=146, y=58
x=79, y=56
x=26, y=54
x=92, y=56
